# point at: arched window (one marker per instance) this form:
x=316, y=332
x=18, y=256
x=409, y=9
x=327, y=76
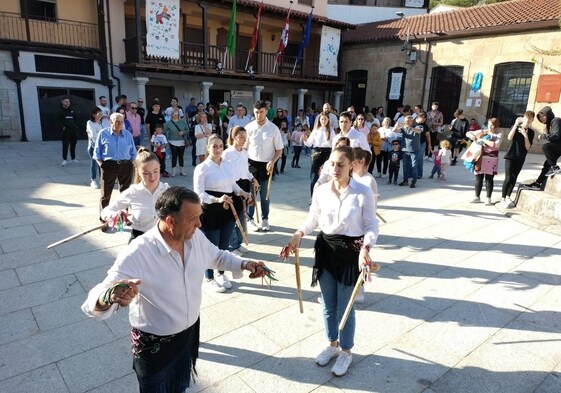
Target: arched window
x=509, y=91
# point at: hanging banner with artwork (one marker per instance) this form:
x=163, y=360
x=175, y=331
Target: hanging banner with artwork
x=329, y=51
x=395, y=86
x=162, y=28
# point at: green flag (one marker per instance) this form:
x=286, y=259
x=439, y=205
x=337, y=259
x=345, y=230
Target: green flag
x=232, y=31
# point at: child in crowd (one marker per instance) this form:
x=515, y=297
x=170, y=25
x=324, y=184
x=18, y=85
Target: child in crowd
x=445, y=156
x=159, y=142
x=296, y=137
x=436, y=168
x=396, y=155
x=473, y=126
x=307, y=132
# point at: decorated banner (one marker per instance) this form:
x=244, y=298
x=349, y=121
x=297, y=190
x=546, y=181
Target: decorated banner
x=329, y=51
x=162, y=28
x=395, y=85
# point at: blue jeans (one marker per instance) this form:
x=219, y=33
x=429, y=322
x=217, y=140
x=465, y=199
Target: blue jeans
x=94, y=168
x=410, y=166
x=264, y=204
x=220, y=237
x=420, y=156
x=335, y=299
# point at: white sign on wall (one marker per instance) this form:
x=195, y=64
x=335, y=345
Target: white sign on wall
x=395, y=86
x=329, y=51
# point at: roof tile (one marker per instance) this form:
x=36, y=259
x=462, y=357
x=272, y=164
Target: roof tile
x=507, y=13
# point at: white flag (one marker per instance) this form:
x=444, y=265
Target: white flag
x=162, y=28
x=329, y=51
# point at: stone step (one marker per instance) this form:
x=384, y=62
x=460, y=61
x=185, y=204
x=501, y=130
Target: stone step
x=553, y=186
x=540, y=204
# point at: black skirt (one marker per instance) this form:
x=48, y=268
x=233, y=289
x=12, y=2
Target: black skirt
x=165, y=363
x=338, y=254
x=214, y=215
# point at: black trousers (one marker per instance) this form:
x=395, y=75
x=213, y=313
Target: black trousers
x=112, y=171
x=69, y=139
x=177, y=153
x=296, y=158
x=489, y=184
x=512, y=170
x=552, y=152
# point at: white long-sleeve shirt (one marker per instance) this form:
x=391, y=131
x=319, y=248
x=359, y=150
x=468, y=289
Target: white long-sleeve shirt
x=238, y=161
x=357, y=139
x=353, y=213
x=318, y=138
x=141, y=204
x=169, y=299
x=209, y=176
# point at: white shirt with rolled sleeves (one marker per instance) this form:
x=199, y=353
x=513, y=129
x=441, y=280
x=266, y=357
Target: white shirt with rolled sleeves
x=264, y=141
x=353, y=213
x=141, y=204
x=209, y=176
x=169, y=299
x=357, y=139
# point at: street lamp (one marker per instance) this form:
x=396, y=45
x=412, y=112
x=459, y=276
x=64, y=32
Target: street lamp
x=405, y=45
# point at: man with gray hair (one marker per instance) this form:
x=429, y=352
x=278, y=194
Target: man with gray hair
x=114, y=152
x=159, y=276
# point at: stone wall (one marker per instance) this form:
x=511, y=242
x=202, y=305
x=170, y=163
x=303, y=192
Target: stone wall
x=476, y=54
x=9, y=115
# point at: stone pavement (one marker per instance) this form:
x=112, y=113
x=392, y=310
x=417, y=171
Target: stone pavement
x=467, y=299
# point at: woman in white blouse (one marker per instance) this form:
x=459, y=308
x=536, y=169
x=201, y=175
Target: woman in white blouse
x=345, y=211
x=321, y=139
x=93, y=126
x=202, y=131
x=140, y=198
x=238, y=158
x=215, y=183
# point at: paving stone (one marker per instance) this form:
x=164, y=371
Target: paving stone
x=97, y=366
x=8, y=279
x=45, y=379
x=16, y=326
x=51, y=346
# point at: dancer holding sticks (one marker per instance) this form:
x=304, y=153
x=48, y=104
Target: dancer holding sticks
x=140, y=198
x=159, y=276
x=264, y=147
x=236, y=156
x=345, y=211
x=215, y=184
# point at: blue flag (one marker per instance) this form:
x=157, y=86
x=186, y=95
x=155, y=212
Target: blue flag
x=305, y=37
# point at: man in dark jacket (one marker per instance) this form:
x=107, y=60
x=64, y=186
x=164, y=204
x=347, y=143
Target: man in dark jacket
x=552, y=149
x=66, y=119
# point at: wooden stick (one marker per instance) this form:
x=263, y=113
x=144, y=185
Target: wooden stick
x=76, y=236
x=238, y=223
x=358, y=284
x=244, y=212
x=256, y=212
x=269, y=183
x=381, y=218
x=298, y=281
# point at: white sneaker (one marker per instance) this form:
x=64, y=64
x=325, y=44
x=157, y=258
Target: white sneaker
x=342, y=364
x=320, y=299
x=242, y=249
x=64, y=163
x=326, y=355
x=215, y=286
x=74, y=161
x=94, y=185
x=431, y=159
x=253, y=226
x=221, y=279
x=265, y=225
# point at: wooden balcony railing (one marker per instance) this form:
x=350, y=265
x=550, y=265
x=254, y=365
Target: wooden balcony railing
x=14, y=27
x=212, y=58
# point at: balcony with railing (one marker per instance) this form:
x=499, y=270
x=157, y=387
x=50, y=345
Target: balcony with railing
x=212, y=59
x=59, y=32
